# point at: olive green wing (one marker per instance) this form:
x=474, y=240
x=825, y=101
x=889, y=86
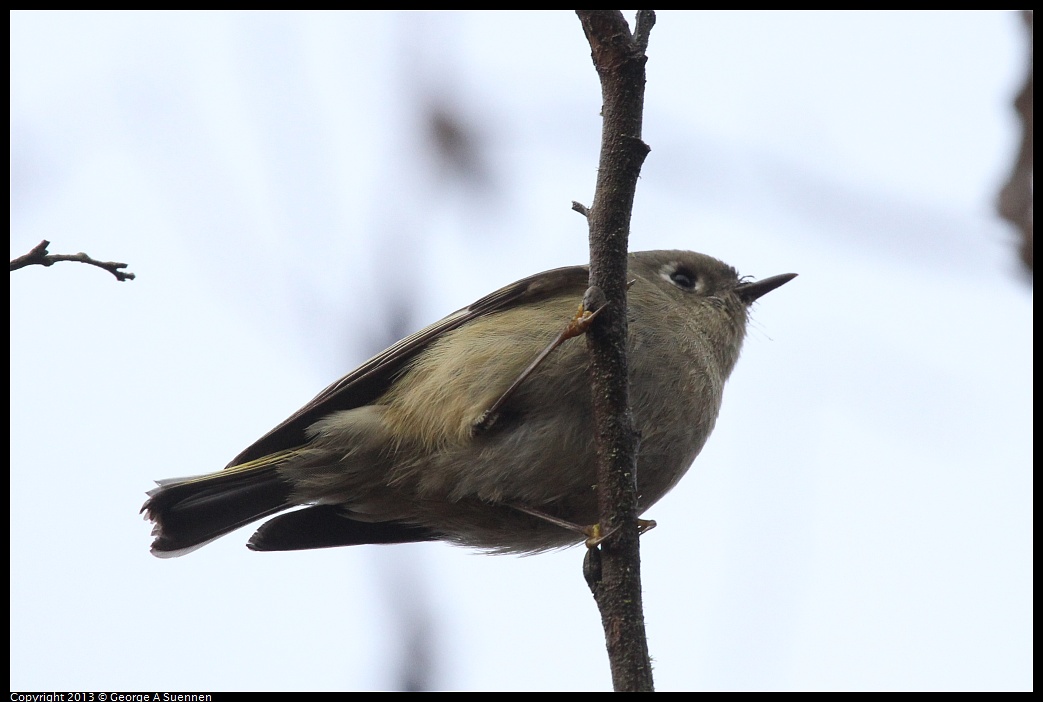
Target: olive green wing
x=373, y=378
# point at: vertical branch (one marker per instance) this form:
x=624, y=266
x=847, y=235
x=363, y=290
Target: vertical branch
x=613, y=570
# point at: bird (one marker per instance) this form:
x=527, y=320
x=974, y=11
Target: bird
x=478, y=429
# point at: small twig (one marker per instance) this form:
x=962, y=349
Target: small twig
x=581, y=208
x=38, y=256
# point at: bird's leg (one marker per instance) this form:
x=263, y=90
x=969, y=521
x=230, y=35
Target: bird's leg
x=595, y=537
x=578, y=325
x=593, y=532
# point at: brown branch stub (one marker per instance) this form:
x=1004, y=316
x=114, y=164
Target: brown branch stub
x=38, y=256
x=619, y=58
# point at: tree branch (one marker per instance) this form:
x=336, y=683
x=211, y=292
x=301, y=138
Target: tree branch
x=38, y=256
x=613, y=570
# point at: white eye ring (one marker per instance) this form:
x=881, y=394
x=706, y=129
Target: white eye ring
x=682, y=276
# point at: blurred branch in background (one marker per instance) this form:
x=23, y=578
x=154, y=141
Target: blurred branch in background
x=440, y=155
x=1015, y=199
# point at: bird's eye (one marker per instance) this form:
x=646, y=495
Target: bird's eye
x=683, y=277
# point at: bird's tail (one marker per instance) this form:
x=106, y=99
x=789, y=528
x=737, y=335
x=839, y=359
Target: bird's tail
x=191, y=512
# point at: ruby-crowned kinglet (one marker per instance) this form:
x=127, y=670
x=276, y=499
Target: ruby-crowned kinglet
x=434, y=438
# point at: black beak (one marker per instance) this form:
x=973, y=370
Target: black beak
x=748, y=292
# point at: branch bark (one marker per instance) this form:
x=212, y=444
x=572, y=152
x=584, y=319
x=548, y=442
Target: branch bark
x=613, y=569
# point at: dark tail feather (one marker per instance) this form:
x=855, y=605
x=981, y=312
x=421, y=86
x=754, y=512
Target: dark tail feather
x=192, y=512
x=325, y=526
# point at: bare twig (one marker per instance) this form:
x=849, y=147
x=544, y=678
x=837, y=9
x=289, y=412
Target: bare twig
x=38, y=256
x=1015, y=199
x=613, y=571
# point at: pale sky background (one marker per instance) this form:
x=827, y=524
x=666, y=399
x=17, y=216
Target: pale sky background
x=861, y=518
